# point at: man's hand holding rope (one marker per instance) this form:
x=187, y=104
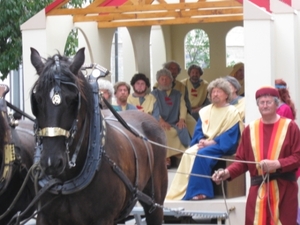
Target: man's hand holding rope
x=269, y=165
x=220, y=175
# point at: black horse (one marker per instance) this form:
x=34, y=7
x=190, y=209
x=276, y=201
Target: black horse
x=96, y=168
x=16, y=158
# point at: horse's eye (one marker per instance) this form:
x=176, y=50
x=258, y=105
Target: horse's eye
x=38, y=99
x=36, y=102
x=71, y=101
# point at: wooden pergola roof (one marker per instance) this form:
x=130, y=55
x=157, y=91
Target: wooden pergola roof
x=128, y=13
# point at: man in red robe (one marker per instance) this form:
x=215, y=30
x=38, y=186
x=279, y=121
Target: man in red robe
x=271, y=148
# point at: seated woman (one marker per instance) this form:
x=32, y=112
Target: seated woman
x=216, y=134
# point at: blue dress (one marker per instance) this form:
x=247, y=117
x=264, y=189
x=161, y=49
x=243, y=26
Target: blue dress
x=227, y=144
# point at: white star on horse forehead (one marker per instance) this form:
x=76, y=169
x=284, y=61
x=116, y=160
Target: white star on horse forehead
x=55, y=97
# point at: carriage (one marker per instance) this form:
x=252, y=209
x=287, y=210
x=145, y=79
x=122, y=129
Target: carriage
x=93, y=166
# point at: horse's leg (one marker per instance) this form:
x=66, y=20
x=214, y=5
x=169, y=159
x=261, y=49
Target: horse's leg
x=154, y=217
x=160, y=185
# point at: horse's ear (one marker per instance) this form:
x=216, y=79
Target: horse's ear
x=78, y=61
x=36, y=61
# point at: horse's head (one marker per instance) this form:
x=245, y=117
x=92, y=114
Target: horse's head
x=60, y=100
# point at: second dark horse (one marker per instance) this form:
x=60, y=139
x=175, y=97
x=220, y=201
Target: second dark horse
x=16, y=158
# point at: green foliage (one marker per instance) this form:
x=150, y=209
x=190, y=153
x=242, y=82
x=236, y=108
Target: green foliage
x=197, y=49
x=13, y=14
x=71, y=46
x=72, y=43
x=230, y=63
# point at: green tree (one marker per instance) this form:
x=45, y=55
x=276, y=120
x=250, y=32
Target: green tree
x=13, y=14
x=71, y=43
x=197, y=49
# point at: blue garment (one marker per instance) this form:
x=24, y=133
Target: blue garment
x=168, y=108
x=128, y=107
x=198, y=134
x=227, y=144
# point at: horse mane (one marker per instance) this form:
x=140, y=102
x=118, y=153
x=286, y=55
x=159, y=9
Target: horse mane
x=47, y=79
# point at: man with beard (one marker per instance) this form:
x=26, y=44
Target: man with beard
x=170, y=111
x=122, y=91
x=217, y=133
x=142, y=100
x=197, y=89
x=175, y=69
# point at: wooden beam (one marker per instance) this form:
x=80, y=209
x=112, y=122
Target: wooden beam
x=157, y=15
x=162, y=2
x=132, y=8
x=215, y=19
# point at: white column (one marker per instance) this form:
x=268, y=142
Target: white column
x=259, y=54
x=286, y=61
x=259, y=60
x=34, y=35
x=296, y=7
x=140, y=37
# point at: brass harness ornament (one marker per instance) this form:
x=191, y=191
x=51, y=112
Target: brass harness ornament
x=9, y=159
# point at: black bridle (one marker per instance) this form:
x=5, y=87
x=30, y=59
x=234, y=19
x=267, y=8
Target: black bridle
x=58, y=131
x=96, y=138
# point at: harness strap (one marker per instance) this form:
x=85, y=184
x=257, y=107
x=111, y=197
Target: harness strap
x=140, y=195
x=9, y=166
x=37, y=197
x=120, y=173
x=20, y=111
x=72, y=163
x=147, y=147
x=120, y=119
x=135, y=154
